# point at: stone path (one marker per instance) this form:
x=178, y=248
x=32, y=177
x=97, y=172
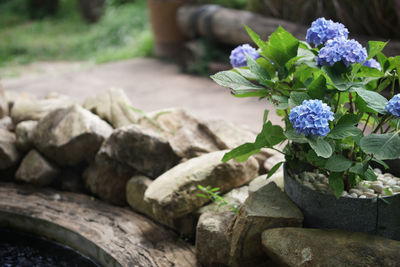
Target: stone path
x=150, y=84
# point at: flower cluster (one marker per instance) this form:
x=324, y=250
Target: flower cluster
x=311, y=118
x=341, y=49
x=372, y=63
x=393, y=106
x=323, y=30
x=238, y=55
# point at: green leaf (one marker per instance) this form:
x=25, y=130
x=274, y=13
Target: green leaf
x=352, y=119
x=314, y=159
x=338, y=163
x=321, y=147
x=281, y=47
x=274, y=169
x=255, y=37
x=297, y=98
x=265, y=117
x=241, y=153
x=236, y=82
x=270, y=135
x=317, y=88
x=268, y=66
x=369, y=72
x=280, y=102
x=246, y=73
x=395, y=63
x=255, y=68
x=342, y=131
x=335, y=74
x=293, y=136
x=359, y=168
x=381, y=162
x=385, y=83
x=370, y=175
x=336, y=182
x=382, y=146
x=383, y=60
x=374, y=47
x=373, y=99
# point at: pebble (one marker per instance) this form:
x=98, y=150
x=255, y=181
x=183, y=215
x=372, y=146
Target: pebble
x=378, y=188
x=362, y=196
x=396, y=188
x=354, y=195
x=356, y=191
x=370, y=195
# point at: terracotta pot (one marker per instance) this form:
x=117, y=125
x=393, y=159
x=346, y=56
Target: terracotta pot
x=376, y=216
x=167, y=36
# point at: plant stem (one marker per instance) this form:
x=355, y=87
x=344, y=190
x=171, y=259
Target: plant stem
x=381, y=123
x=366, y=123
x=387, y=129
x=337, y=103
x=278, y=151
x=351, y=103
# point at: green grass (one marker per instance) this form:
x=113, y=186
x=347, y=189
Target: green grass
x=123, y=32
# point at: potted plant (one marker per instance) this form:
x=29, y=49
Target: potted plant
x=337, y=127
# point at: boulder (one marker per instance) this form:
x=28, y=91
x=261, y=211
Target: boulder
x=213, y=238
x=71, y=180
x=3, y=103
x=331, y=248
x=6, y=123
x=262, y=180
x=70, y=135
x=35, y=169
x=173, y=194
x=142, y=149
x=107, y=178
x=24, y=133
x=9, y=155
x=266, y=208
x=114, y=107
x=26, y=108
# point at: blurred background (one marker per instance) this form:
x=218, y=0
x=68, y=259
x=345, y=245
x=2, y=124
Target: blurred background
x=109, y=30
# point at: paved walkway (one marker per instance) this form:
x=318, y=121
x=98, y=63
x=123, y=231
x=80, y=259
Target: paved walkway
x=151, y=84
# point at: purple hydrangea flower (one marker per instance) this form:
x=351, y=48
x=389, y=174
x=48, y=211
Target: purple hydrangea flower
x=322, y=30
x=393, y=106
x=311, y=118
x=372, y=63
x=341, y=49
x=238, y=55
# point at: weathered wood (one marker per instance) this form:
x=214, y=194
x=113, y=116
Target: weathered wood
x=113, y=236
x=226, y=26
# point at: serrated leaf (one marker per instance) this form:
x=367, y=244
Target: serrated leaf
x=317, y=88
x=246, y=73
x=265, y=117
x=255, y=68
x=381, y=162
x=338, y=163
x=255, y=37
x=241, y=153
x=293, y=136
x=336, y=182
x=374, y=47
x=314, y=159
x=237, y=83
x=297, y=98
x=359, y=168
x=280, y=102
x=274, y=169
x=321, y=147
x=335, y=74
x=370, y=175
x=382, y=146
x=342, y=131
x=369, y=72
x=372, y=99
x=352, y=119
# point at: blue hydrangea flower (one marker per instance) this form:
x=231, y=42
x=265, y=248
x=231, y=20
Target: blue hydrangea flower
x=238, y=55
x=311, y=118
x=341, y=49
x=322, y=30
x=393, y=106
x=372, y=63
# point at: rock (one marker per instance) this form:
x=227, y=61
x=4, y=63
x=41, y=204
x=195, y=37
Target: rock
x=262, y=180
x=114, y=107
x=135, y=189
x=235, y=198
x=317, y=247
x=71, y=180
x=273, y=160
x=262, y=156
x=213, y=238
x=173, y=194
x=141, y=149
x=266, y=208
x=9, y=155
x=35, y=169
x=107, y=178
x=3, y=103
x=24, y=133
x=25, y=109
x=70, y=135
x=6, y=123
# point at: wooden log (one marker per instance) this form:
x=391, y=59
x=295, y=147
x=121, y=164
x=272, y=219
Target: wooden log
x=226, y=26
x=111, y=235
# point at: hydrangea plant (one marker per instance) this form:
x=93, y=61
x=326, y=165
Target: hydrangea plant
x=327, y=91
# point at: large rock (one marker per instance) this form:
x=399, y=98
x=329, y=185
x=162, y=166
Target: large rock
x=262, y=180
x=24, y=133
x=173, y=194
x=35, y=169
x=114, y=107
x=3, y=103
x=8, y=151
x=142, y=149
x=107, y=178
x=330, y=248
x=71, y=180
x=6, y=123
x=213, y=238
x=266, y=208
x=70, y=135
x=25, y=108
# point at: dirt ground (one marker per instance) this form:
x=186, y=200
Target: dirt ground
x=150, y=84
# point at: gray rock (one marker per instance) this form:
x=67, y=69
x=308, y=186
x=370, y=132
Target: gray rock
x=3, y=103
x=144, y=150
x=6, y=123
x=107, y=178
x=35, y=169
x=113, y=106
x=31, y=109
x=331, y=248
x=173, y=194
x=266, y=208
x=24, y=133
x=9, y=155
x=213, y=238
x=262, y=180
x=72, y=181
x=70, y=135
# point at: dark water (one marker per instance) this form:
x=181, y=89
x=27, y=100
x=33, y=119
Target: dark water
x=18, y=249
